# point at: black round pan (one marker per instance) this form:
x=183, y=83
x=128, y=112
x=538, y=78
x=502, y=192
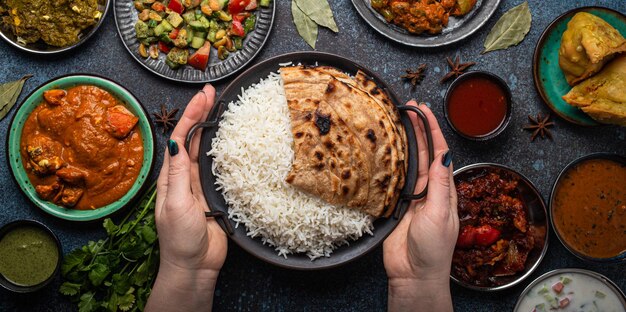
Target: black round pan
x=344, y=254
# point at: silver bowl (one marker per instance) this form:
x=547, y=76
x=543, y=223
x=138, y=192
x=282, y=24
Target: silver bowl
x=41, y=48
x=537, y=214
x=599, y=277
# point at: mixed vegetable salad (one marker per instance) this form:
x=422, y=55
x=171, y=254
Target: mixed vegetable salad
x=174, y=27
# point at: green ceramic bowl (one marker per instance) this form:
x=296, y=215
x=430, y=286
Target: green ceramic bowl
x=549, y=79
x=14, y=157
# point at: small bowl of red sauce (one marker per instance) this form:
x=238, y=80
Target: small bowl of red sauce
x=477, y=105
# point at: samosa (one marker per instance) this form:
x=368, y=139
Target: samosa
x=603, y=96
x=588, y=43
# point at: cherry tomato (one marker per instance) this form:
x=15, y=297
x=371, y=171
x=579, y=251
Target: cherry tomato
x=486, y=235
x=467, y=237
x=237, y=29
x=236, y=6
x=176, y=6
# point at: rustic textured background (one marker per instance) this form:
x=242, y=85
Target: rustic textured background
x=248, y=284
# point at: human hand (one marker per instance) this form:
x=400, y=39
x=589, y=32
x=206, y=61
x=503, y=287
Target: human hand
x=418, y=253
x=192, y=248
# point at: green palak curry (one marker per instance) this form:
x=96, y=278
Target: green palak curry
x=28, y=256
x=56, y=22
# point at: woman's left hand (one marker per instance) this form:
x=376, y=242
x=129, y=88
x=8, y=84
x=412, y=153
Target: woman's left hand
x=192, y=248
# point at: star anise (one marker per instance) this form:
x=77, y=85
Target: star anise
x=166, y=118
x=456, y=68
x=415, y=77
x=539, y=126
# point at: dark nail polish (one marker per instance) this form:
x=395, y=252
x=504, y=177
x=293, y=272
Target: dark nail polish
x=172, y=146
x=446, y=160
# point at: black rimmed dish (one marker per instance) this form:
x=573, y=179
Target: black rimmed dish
x=457, y=30
x=36, y=246
x=41, y=48
x=219, y=207
x=594, y=212
x=126, y=16
x=536, y=215
x=548, y=77
x=478, y=105
x=576, y=283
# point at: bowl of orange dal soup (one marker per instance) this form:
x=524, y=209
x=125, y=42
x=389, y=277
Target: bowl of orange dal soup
x=588, y=207
x=81, y=147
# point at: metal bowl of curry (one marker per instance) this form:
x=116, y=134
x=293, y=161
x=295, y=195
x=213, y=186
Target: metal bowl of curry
x=503, y=228
x=588, y=207
x=50, y=27
x=81, y=147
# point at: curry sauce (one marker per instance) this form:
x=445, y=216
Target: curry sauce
x=81, y=148
x=590, y=208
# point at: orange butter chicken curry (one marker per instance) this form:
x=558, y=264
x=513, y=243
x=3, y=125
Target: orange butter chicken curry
x=81, y=148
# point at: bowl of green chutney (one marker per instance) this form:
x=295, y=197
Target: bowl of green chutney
x=30, y=256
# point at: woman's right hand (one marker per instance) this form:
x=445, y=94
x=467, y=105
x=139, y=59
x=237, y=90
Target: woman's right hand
x=418, y=253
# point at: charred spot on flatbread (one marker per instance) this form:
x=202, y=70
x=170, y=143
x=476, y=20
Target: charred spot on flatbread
x=322, y=122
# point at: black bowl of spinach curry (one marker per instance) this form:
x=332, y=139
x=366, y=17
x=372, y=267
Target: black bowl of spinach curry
x=30, y=256
x=50, y=26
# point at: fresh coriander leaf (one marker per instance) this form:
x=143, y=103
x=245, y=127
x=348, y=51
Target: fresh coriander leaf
x=121, y=283
x=102, y=259
x=142, y=297
x=94, y=247
x=98, y=273
x=73, y=259
x=106, y=270
x=69, y=289
x=148, y=234
x=126, y=302
x=87, y=302
x=76, y=276
x=112, y=303
x=124, y=228
x=141, y=275
x=109, y=226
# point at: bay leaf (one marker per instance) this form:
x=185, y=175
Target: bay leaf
x=510, y=29
x=306, y=27
x=9, y=93
x=319, y=11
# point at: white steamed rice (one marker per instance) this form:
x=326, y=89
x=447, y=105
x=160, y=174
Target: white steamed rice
x=252, y=155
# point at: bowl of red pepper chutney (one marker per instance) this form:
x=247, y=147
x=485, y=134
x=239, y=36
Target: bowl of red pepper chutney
x=503, y=228
x=477, y=105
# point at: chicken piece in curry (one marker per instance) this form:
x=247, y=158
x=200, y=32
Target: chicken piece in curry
x=81, y=148
x=422, y=16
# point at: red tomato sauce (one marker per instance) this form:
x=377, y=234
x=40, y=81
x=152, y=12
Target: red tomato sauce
x=477, y=106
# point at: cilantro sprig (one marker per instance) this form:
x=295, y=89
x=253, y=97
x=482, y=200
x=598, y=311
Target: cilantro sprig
x=116, y=273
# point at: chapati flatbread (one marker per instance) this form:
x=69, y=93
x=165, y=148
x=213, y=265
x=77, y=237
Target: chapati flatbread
x=340, y=128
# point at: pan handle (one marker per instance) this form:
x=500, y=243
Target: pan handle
x=431, y=153
x=211, y=122
x=220, y=217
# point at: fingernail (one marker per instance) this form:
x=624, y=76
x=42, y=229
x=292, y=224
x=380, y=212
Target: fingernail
x=446, y=160
x=414, y=100
x=172, y=146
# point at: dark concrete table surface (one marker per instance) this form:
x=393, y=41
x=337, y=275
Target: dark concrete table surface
x=247, y=284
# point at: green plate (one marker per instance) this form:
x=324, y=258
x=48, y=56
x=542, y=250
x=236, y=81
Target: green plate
x=549, y=79
x=14, y=157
